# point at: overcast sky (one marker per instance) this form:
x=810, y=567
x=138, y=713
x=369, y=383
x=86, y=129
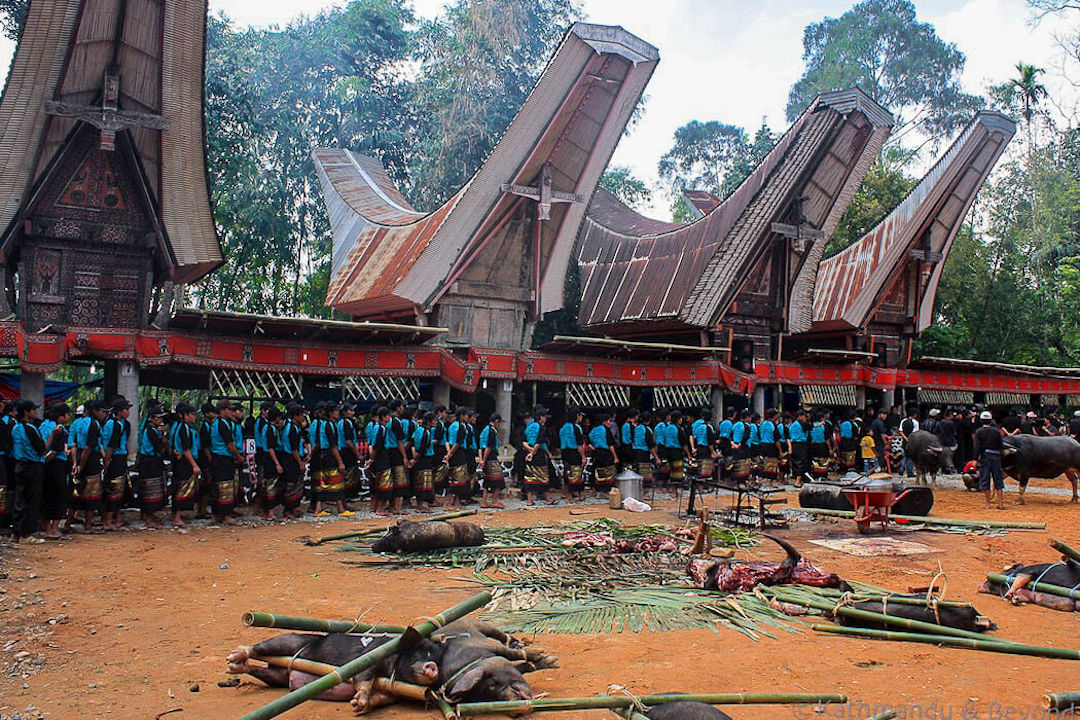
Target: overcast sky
x=734, y=61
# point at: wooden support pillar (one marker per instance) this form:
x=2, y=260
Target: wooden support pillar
x=759, y=400
x=716, y=399
x=504, y=405
x=33, y=387
x=122, y=378
x=860, y=398
x=441, y=394
x=888, y=398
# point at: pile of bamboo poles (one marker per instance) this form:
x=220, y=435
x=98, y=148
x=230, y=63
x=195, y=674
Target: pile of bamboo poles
x=831, y=603
x=949, y=522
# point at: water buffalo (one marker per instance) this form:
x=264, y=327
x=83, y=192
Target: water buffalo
x=924, y=450
x=1031, y=456
x=1063, y=574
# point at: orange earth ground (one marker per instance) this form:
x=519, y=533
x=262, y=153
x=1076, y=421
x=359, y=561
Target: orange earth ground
x=151, y=614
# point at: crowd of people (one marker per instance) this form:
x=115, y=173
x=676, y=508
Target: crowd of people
x=71, y=468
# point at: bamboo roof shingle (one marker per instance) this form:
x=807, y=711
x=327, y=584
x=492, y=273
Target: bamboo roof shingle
x=157, y=49
x=636, y=275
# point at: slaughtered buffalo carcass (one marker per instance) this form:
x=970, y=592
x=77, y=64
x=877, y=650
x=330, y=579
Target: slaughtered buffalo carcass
x=924, y=450
x=685, y=710
x=732, y=576
x=417, y=665
x=420, y=536
x=1032, y=456
x=961, y=618
x=1063, y=574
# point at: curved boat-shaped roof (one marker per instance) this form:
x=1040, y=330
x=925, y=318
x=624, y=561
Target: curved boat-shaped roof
x=634, y=274
x=852, y=283
x=65, y=49
x=389, y=259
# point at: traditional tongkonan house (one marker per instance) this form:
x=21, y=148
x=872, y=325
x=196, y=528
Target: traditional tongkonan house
x=106, y=212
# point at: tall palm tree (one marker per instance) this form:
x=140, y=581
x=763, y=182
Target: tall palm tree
x=1028, y=92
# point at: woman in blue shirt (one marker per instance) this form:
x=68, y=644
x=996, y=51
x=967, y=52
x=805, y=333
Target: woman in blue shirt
x=28, y=449
x=572, y=447
x=849, y=440
x=537, y=460
x=820, y=446
x=152, y=448
x=604, y=458
x=56, y=492
x=114, y=438
x=183, y=446
x=741, y=447
x=422, y=446
x=770, y=447
x=494, y=477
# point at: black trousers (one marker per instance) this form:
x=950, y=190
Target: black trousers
x=29, y=481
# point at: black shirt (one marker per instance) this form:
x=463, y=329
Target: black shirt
x=946, y=431
x=987, y=437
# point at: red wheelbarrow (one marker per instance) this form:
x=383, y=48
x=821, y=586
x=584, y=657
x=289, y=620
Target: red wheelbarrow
x=872, y=504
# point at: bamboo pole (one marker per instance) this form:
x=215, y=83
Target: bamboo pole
x=292, y=622
x=901, y=600
x=369, y=659
x=1065, y=550
x=1037, y=586
x=394, y=687
x=1062, y=700
x=376, y=531
x=1004, y=524
x=985, y=644
x=622, y=701
x=448, y=711
x=838, y=609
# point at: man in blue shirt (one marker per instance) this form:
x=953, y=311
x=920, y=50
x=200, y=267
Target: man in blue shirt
x=572, y=447
x=604, y=456
x=28, y=450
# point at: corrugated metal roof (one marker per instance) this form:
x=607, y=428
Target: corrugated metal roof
x=62, y=56
x=688, y=275
x=387, y=257
x=852, y=283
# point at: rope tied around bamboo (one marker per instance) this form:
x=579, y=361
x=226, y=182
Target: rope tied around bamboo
x=616, y=701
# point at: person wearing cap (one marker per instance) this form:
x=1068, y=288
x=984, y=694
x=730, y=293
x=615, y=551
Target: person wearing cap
x=152, y=454
x=536, y=458
x=572, y=447
x=988, y=447
x=270, y=483
x=87, y=473
x=327, y=469
x=349, y=449
x=1030, y=424
x=293, y=458
x=183, y=439
x=494, y=477
x=55, y=491
x=604, y=456
x=28, y=449
x=456, y=457
x=422, y=447
x=114, y=441
x=224, y=459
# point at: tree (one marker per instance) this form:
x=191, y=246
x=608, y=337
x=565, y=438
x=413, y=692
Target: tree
x=272, y=96
x=1022, y=94
x=621, y=182
x=12, y=16
x=702, y=157
x=478, y=62
x=880, y=47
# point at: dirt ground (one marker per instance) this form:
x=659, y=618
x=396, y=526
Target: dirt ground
x=136, y=624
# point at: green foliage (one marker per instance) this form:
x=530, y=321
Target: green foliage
x=12, y=15
x=883, y=188
x=880, y=47
x=271, y=97
x=478, y=62
x=711, y=156
x=621, y=182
